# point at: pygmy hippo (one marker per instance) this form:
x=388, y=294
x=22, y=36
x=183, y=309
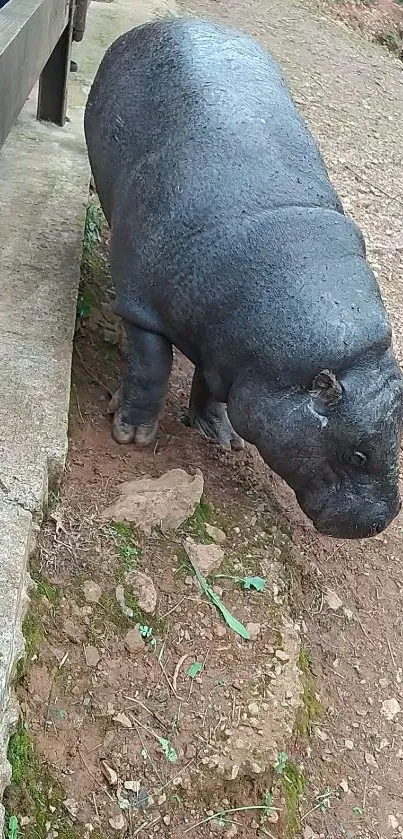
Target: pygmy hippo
x=229, y=242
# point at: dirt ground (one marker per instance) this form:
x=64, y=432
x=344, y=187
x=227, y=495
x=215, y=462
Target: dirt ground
x=333, y=762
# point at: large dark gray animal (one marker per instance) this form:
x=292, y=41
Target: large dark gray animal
x=229, y=242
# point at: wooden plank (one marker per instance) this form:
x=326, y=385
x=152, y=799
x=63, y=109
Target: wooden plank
x=29, y=32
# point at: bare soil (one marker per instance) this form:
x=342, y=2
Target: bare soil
x=346, y=597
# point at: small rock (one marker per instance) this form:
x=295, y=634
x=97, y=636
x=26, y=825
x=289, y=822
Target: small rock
x=393, y=822
x=216, y=533
x=253, y=709
x=118, y=822
x=123, y=720
x=92, y=591
x=254, y=630
x=321, y=734
x=132, y=786
x=208, y=558
x=162, y=799
x=74, y=632
x=143, y=588
x=349, y=745
x=133, y=640
x=282, y=656
x=24, y=821
x=71, y=806
x=109, y=773
x=308, y=833
x=344, y=785
x=333, y=600
x=92, y=656
x=216, y=826
x=167, y=819
x=120, y=597
x=272, y=817
x=390, y=708
x=231, y=832
x=370, y=760
x=190, y=751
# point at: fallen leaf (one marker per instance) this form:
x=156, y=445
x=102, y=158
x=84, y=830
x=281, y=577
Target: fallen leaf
x=233, y=622
x=257, y=583
x=169, y=752
x=194, y=669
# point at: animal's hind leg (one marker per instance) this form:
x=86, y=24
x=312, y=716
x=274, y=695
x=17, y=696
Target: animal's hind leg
x=209, y=417
x=139, y=402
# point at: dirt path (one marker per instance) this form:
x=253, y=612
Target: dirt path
x=352, y=96
x=346, y=779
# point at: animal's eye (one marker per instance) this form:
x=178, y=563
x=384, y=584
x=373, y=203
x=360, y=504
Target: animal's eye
x=357, y=459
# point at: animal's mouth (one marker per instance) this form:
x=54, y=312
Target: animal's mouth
x=345, y=517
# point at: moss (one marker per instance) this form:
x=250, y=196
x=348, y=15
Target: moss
x=311, y=710
x=129, y=552
x=34, y=793
x=34, y=635
x=195, y=526
x=45, y=589
x=292, y=785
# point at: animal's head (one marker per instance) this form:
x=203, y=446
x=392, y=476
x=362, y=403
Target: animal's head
x=335, y=442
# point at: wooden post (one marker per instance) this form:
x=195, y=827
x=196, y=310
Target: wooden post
x=53, y=81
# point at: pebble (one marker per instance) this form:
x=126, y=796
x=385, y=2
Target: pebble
x=167, y=819
x=390, y=708
x=282, y=655
x=190, y=751
x=215, y=533
x=117, y=822
x=92, y=591
x=254, y=630
x=333, y=600
x=92, y=656
x=122, y=720
x=393, y=822
x=370, y=760
x=143, y=588
x=109, y=773
x=133, y=640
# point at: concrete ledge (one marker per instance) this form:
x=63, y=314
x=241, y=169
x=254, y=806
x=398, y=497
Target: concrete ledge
x=44, y=176
x=15, y=544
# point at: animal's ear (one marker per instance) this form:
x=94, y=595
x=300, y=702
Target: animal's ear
x=326, y=387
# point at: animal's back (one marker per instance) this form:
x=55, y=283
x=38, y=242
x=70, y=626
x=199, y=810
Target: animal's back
x=177, y=99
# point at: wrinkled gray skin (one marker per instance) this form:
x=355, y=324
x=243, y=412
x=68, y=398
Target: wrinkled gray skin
x=229, y=242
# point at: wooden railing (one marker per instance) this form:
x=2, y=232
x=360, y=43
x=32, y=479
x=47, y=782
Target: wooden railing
x=35, y=43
